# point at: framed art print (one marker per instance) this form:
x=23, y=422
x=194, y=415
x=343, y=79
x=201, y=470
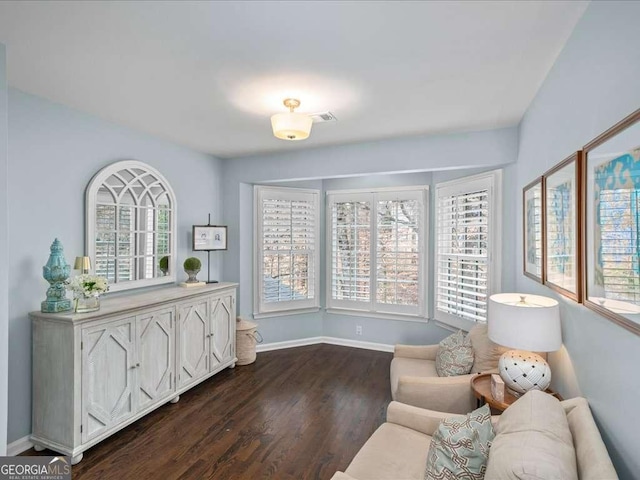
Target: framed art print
x=562, y=239
x=612, y=223
x=209, y=237
x=532, y=229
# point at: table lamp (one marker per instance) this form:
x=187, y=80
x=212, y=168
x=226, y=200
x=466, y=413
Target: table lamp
x=528, y=323
x=82, y=263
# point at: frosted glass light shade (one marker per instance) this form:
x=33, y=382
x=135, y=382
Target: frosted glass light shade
x=291, y=125
x=525, y=322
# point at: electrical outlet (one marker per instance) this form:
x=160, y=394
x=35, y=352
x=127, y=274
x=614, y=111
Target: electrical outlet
x=358, y=329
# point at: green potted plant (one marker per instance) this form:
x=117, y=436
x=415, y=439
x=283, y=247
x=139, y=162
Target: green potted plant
x=192, y=267
x=164, y=265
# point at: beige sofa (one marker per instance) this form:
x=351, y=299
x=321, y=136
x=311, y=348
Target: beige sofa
x=414, y=379
x=397, y=450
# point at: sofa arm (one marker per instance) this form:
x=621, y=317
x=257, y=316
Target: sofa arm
x=442, y=394
x=419, y=419
x=341, y=476
x=421, y=352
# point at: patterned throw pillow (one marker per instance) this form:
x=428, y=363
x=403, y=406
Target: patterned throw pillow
x=460, y=447
x=455, y=355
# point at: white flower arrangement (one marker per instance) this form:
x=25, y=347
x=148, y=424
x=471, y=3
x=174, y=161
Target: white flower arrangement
x=88, y=285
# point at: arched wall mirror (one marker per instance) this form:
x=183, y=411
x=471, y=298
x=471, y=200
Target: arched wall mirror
x=131, y=225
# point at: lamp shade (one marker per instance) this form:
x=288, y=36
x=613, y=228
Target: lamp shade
x=291, y=125
x=525, y=322
x=82, y=263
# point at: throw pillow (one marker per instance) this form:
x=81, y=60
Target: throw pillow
x=454, y=356
x=533, y=440
x=486, y=353
x=460, y=447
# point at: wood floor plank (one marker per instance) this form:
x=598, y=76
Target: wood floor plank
x=294, y=414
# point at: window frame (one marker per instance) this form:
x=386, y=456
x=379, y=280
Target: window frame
x=492, y=182
x=90, y=227
x=370, y=309
x=291, y=307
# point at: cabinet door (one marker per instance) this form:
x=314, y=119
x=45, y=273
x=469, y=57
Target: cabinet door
x=155, y=334
x=108, y=370
x=194, y=341
x=223, y=324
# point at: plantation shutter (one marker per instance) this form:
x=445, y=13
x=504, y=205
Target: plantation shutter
x=287, y=249
x=350, y=260
x=463, y=246
x=376, y=261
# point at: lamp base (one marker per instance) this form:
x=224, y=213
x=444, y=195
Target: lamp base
x=523, y=371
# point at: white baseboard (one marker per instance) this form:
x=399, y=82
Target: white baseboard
x=302, y=342
x=381, y=347
x=344, y=342
x=21, y=445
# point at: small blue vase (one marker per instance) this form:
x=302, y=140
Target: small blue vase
x=56, y=271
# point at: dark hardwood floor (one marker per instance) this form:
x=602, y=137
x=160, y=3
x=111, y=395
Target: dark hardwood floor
x=294, y=414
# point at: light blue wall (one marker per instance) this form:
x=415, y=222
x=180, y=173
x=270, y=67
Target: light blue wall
x=54, y=151
x=4, y=274
x=594, y=83
x=384, y=163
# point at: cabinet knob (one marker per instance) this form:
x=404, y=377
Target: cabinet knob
x=137, y=364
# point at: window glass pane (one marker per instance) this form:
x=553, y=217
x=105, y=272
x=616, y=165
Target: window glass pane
x=125, y=270
x=125, y=245
x=163, y=241
x=126, y=197
x=350, y=263
x=105, y=217
x=126, y=219
x=105, y=244
x=105, y=196
x=106, y=267
x=398, y=252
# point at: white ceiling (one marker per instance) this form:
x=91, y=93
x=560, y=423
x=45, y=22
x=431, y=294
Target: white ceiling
x=208, y=75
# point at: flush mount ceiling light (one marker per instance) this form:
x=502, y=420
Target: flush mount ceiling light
x=291, y=125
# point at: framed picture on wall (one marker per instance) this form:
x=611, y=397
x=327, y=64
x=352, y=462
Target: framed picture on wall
x=209, y=237
x=562, y=238
x=532, y=230
x=612, y=223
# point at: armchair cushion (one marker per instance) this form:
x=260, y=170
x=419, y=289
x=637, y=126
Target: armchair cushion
x=392, y=451
x=455, y=356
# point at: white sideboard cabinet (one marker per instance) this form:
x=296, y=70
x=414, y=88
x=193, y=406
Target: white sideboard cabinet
x=95, y=373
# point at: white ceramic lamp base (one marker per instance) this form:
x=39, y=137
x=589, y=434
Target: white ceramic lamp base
x=523, y=371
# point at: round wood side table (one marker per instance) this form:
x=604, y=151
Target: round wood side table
x=481, y=386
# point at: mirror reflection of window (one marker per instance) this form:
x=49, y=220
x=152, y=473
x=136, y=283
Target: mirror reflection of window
x=134, y=209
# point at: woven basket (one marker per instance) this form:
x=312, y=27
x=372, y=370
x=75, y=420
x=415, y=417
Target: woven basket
x=247, y=337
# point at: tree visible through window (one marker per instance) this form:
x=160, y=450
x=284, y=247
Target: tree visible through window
x=377, y=254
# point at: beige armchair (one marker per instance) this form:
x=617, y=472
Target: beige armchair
x=414, y=379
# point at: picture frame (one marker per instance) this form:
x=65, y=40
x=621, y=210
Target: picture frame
x=533, y=230
x=562, y=248
x=612, y=223
x=209, y=238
